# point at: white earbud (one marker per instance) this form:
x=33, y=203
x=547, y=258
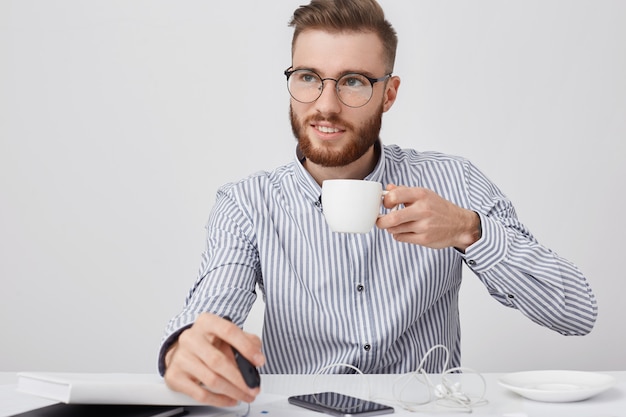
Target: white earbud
x=440, y=391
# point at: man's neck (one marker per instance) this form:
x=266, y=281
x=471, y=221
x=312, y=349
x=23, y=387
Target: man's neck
x=358, y=169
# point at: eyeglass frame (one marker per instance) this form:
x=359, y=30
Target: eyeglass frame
x=289, y=71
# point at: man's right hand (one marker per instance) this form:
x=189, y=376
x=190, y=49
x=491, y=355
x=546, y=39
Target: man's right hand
x=202, y=365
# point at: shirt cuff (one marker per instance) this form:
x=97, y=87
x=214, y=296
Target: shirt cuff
x=490, y=249
x=166, y=345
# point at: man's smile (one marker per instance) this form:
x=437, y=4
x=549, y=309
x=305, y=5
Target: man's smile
x=327, y=129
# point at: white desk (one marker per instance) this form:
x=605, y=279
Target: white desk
x=502, y=402
x=276, y=388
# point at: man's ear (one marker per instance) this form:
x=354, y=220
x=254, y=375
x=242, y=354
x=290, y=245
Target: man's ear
x=391, y=92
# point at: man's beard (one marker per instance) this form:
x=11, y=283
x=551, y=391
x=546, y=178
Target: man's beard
x=363, y=138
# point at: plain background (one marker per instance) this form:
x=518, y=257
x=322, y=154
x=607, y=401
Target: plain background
x=120, y=119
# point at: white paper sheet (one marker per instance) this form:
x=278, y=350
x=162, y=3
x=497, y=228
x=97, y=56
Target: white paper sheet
x=101, y=388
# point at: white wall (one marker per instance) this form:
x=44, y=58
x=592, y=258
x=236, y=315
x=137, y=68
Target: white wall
x=119, y=120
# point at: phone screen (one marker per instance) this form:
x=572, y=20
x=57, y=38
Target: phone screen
x=337, y=404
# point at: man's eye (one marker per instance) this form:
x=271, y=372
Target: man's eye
x=307, y=77
x=353, y=81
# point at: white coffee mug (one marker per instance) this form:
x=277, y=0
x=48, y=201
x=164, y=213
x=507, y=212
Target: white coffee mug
x=351, y=206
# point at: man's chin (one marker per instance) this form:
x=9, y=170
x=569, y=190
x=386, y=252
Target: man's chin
x=330, y=158
x=325, y=159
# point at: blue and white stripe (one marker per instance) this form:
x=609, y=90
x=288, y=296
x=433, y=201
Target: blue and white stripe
x=368, y=300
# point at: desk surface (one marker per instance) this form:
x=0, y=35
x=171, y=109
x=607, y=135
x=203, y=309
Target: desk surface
x=276, y=388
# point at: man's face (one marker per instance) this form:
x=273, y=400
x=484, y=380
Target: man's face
x=330, y=133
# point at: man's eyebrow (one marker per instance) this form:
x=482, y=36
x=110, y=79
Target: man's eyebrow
x=341, y=74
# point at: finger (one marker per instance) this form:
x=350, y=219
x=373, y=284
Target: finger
x=209, y=360
x=179, y=376
x=193, y=368
x=248, y=345
x=223, y=333
x=401, y=196
x=407, y=238
x=219, y=372
x=390, y=197
x=397, y=218
x=188, y=385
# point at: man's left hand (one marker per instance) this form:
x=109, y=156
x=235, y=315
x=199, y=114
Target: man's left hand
x=428, y=220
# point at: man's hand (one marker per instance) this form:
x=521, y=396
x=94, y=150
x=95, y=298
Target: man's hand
x=427, y=219
x=202, y=365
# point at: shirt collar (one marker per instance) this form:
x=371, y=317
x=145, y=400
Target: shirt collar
x=379, y=169
x=308, y=186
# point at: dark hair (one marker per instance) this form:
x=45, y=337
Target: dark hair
x=347, y=15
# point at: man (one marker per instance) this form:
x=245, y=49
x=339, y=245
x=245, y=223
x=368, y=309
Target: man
x=379, y=300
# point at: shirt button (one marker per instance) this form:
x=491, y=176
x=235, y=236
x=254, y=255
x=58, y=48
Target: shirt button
x=367, y=347
x=471, y=262
x=360, y=287
x=510, y=296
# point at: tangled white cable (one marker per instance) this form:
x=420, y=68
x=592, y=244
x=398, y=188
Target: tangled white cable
x=445, y=393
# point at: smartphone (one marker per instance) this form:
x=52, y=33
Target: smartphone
x=340, y=405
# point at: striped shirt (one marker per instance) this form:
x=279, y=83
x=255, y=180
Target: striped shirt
x=366, y=299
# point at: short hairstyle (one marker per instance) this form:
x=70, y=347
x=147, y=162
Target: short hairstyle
x=347, y=15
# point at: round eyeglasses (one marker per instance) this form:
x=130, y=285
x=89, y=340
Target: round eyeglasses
x=353, y=89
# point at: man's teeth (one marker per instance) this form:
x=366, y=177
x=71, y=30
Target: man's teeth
x=325, y=129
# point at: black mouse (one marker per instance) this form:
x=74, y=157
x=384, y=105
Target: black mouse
x=249, y=372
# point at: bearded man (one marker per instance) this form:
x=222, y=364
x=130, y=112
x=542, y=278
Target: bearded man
x=377, y=301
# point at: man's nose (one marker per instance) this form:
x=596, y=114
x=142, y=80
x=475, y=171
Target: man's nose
x=328, y=102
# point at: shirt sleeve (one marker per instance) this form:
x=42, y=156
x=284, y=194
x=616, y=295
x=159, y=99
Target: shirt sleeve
x=521, y=273
x=229, y=270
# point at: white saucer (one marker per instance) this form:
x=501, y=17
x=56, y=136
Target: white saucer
x=557, y=386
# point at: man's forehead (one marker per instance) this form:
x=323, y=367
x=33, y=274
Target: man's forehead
x=338, y=51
